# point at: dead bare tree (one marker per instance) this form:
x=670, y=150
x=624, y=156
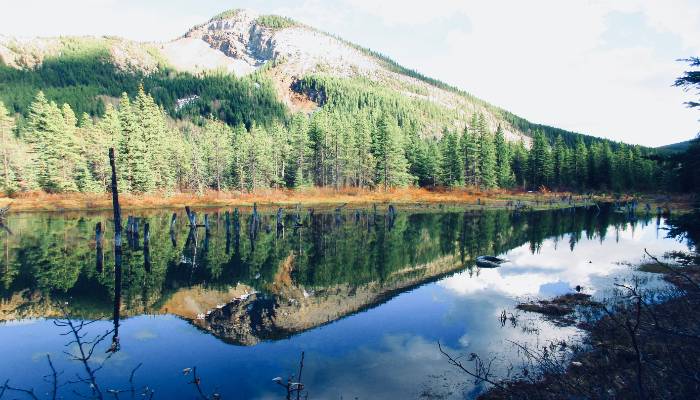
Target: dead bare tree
x=197, y=382
x=293, y=386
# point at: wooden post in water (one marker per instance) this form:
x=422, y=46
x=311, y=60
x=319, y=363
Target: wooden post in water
x=99, y=262
x=191, y=217
x=117, y=251
x=173, y=221
x=206, y=223
x=280, y=223
x=146, y=247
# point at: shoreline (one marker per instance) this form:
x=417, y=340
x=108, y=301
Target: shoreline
x=329, y=198
x=607, y=365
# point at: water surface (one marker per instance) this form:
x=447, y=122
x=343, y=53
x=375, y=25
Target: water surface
x=366, y=297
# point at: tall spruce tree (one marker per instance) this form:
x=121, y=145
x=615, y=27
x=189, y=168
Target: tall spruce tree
x=299, y=151
x=470, y=153
x=559, y=159
x=216, y=152
x=579, y=166
x=504, y=172
x=363, y=159
x=392, y=166
x=487, y=156
x=451, y=160
x=540, y=162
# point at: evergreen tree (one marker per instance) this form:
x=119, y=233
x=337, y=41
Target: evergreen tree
x=280, y=152
x=559, y=159
x=451, y=160
x=363, y=160
x=487, y=156
x=240, y=155
x=53, y=143
x=540, y=163
x=152, y=147
x=470, y=149
x=299, y=151
x=520, y=164
x=392, y=166
x=579, y=164
x=216, y=152
x=318, y=135
x=91, y=150
x=504, y=173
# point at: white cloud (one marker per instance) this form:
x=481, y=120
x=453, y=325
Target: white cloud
x=399, y=12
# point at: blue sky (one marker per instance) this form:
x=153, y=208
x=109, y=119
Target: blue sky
x=598, y=67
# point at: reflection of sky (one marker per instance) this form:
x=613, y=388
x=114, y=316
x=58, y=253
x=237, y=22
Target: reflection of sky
x=555, y=269
x=389, y=351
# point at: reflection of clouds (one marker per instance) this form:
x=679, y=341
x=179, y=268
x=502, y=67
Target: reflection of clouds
x=403, y=366
x=407, y=365
x=529, y=274
x=145, y=335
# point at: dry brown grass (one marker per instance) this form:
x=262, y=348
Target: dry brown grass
x=319, y=197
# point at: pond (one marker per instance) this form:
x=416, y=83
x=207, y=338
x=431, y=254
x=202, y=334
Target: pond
x=366, y=297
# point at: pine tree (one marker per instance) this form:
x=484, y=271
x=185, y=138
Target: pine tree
x=559, y=159
x=470, y=149
x=363, y=159
x=318, y=135
x=392, y=166
x=299, y=151
x=259, y=167
x=280, y=152
x=240, y=154
x=427, y=161
x=216, y=148
x=53, y=142
x=487, y=156
x=579, y=167
x=540, y=161
x=91, y=157
x=150, y=148
x=451, y=160
x=504, y=172
x=520, y=164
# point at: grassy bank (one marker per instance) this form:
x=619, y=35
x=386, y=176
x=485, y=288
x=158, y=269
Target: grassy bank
x=320, y=197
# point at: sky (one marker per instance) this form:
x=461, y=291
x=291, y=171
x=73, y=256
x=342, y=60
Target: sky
x=603, y=68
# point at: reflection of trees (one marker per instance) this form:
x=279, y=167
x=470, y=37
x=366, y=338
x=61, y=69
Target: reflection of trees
x=55, y=256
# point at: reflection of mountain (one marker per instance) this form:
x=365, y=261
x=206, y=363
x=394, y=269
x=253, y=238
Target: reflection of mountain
x=250, y=319
x=332, y=267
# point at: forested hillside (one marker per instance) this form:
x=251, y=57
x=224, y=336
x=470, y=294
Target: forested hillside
x=176, y=130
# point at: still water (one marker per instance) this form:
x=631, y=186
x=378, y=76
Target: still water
x=366, y=297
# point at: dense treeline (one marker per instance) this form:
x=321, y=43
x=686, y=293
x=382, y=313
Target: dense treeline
x=363, y=146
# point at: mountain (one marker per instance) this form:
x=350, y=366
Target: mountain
x=308, y=68
x=679, y=147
